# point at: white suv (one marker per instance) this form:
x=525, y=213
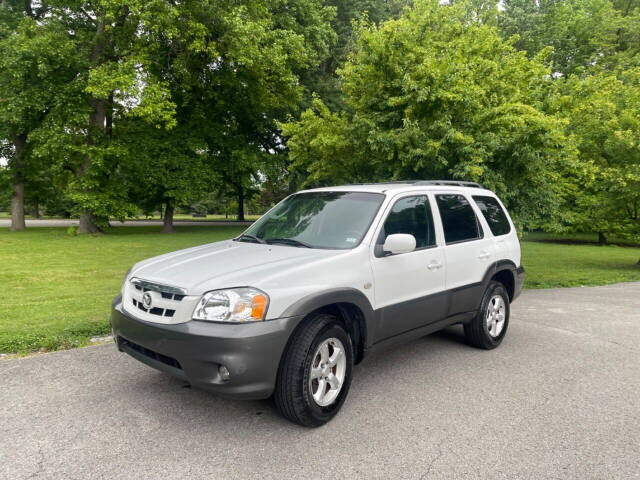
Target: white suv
x=324, y=278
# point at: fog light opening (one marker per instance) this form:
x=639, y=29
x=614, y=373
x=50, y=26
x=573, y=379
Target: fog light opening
x=224, y=373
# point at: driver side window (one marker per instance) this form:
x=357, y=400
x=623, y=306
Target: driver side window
x=411, y=215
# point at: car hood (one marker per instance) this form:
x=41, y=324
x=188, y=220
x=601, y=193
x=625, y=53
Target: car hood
x=226, y=264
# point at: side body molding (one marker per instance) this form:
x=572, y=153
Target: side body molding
x=460, y=306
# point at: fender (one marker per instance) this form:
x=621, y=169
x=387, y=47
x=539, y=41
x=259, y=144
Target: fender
x=505, y=265
x=318, y=300
x=500, y=265
x=495, y=267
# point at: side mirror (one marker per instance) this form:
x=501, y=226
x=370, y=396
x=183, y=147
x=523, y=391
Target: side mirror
x=399, y=243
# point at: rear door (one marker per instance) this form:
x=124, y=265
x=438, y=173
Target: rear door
x=504, y=233
x=408, y=287
x=468, y=251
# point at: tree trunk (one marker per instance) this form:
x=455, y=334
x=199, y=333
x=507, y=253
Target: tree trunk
x=240, y=192
x=167, y=226
x=109, y=117
x=97, y=119
x=602, y=240
x=87, y=223
x=17, y=197
x=36, y=208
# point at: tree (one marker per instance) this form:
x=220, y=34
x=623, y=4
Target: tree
x=323, y=80
x=245, y=77
x=459, y=102
x=92, y=59
x=37, y=60
x=603, y=112
x=628, y=45
x=582, y=33
x=164, y=168
x=118, y=42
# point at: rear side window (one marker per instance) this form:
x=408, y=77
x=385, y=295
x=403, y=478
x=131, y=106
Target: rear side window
x=411, y=215
x=458, y=219
x=494, y=214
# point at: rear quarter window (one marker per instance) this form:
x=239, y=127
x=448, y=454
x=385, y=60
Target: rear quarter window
x=493, y=214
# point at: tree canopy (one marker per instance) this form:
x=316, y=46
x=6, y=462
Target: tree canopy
x=458, y=102
x=111, y=108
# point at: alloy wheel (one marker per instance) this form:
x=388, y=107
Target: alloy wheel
x=495, y=316
x=328, y=370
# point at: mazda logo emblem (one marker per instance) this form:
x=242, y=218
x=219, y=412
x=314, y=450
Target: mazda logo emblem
x=146, y=300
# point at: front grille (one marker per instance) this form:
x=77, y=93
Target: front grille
x=157, y=302
x=166, y=301
x=163, y=312
x=172, y=362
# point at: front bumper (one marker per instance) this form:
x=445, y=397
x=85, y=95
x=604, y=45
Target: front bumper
x=193, y=351
x=519, y=282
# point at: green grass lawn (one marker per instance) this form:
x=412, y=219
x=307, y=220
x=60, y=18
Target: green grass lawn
x=559, y=265
x=58, y=288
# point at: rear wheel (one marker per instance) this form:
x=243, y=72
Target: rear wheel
x=489, y=326
x=315, y=373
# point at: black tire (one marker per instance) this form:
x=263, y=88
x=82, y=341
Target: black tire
x=476, y=331
x=292, y=395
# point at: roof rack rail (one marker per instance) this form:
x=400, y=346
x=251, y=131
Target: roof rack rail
x=390, y=182
x=454, y=183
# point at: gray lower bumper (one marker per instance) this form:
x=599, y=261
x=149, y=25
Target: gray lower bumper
x=193, y=351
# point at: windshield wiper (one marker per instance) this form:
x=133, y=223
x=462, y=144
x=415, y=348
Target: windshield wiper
x=251, y=238
x=289, y=241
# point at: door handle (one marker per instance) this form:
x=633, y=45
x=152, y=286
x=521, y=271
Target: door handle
x=434, y=265
x=483, y=255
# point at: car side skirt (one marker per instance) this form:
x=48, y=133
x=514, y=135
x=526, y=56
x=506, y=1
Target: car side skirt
x=435, y=312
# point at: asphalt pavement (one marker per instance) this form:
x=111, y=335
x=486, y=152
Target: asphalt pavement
x=559, y=399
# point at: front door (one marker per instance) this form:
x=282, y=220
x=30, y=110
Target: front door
x=409, y=287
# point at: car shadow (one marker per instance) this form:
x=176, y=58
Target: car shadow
x=453, y=334
x=229, y=414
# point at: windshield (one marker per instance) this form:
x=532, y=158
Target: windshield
x=317, y=220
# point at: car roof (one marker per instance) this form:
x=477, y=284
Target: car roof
x=408, y=186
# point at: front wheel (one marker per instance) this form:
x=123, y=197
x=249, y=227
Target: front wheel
x=315, y=372
x=489, y=326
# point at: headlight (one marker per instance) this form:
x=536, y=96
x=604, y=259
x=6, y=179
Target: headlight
x=234, y=305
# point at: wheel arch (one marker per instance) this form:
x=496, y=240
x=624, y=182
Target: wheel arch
x=351, y=306
x=503, y=271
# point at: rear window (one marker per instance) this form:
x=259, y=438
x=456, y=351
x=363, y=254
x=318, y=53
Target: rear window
x=494, y=214
x=459, y=222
